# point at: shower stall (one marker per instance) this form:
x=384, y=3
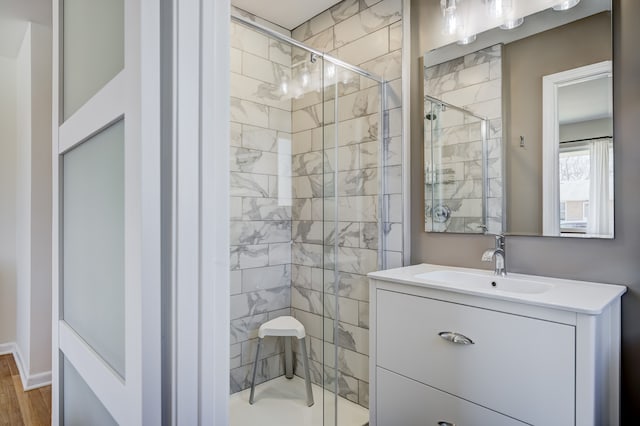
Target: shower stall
x=308, y=211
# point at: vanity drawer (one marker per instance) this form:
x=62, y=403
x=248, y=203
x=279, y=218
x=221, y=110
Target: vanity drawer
x=518, y=366
x=405, y=402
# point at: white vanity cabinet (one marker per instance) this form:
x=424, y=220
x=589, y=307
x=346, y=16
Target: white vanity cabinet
x=442, y=355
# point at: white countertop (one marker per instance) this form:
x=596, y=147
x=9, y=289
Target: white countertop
x=569, y=295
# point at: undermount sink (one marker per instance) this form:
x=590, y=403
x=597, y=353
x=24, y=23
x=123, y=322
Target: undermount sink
x=488, y=282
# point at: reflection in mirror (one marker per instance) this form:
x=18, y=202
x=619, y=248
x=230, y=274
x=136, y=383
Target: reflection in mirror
x=463, y=167
x=456, y=150
x=578, y=152
x=532, y=179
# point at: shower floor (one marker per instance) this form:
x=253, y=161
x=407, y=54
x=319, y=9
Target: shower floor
x=282, y=402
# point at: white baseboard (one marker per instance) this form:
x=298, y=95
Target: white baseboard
x=7, y=348
x=29, y=382
x=37, y=380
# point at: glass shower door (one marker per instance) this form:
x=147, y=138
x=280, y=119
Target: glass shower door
x=329, y=221
x=353, y=235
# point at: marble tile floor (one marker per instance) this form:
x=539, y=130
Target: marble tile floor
x=282, y=402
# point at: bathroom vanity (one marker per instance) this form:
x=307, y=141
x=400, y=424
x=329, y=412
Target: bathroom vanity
x=458, y=346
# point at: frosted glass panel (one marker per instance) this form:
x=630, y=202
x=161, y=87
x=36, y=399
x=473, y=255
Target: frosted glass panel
x=93, y=48
x=93, y=217
x=81, y=407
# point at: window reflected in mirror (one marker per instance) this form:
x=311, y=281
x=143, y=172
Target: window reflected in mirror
x=577, y=176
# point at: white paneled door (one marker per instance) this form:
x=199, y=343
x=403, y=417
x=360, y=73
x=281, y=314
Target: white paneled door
x=140, y=215
x=107, y=207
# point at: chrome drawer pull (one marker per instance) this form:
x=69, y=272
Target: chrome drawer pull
x=455, y=338
x=446, y=424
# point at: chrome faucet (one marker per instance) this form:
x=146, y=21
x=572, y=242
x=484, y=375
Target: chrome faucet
x=498, y=254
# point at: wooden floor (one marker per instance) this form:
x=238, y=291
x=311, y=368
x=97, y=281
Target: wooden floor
x=18, y=407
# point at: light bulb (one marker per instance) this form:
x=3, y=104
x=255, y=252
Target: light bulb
x=447, y=5
x=449, y=16
x=499, y=8
x=451, y=23
x=331, y=71
x=305, y=76
x=496, y=8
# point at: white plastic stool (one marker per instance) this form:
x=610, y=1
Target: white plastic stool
x=287, y=327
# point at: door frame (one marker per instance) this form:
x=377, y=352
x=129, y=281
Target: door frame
x=201, y=212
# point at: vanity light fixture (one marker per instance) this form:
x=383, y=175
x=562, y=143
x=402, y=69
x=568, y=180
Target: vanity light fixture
x=566, y=5
x=512, y=23
x=467, y=40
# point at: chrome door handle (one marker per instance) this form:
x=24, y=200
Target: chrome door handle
x=454, y=337
x=441, y=423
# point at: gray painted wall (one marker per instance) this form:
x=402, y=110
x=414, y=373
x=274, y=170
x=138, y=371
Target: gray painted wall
x=614, y=261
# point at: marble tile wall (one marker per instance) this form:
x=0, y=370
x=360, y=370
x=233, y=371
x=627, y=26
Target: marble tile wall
x=367, y=33
x=261, y=207
x=473, y=82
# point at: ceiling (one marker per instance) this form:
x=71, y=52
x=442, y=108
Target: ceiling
x=286, y=13
x=572, y=105
x=14, y=15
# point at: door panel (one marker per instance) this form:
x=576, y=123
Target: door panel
x=98, y=272
x=93, y=49
x=81, y=406
x=93, y=243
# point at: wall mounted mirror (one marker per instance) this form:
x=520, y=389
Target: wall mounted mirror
x=518, y=118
